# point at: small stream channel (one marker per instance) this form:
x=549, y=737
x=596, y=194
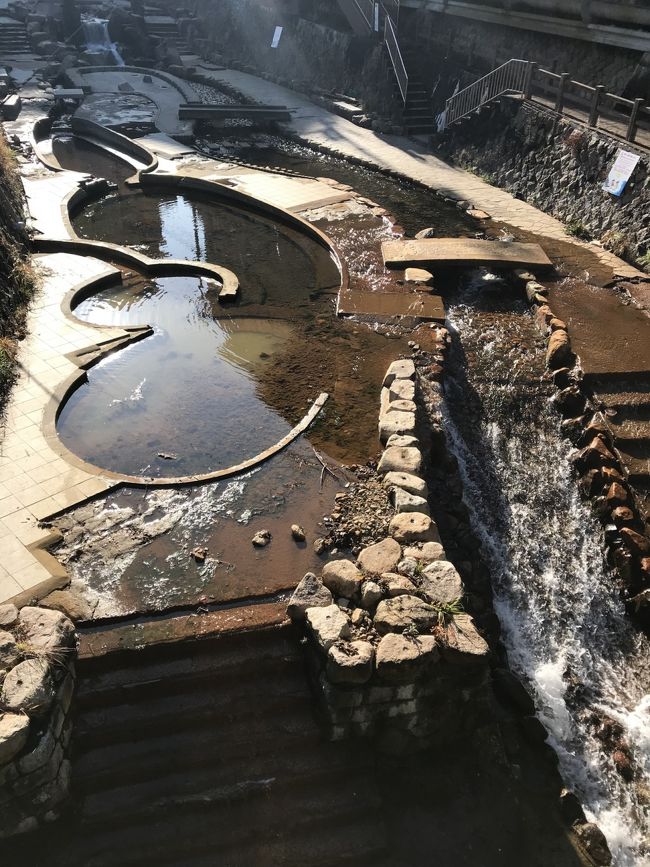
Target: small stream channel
x=563, y=626
x=565, y=631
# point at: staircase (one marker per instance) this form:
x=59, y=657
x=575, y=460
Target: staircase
x=417, y=114
x=165, y=28
x=207, y=753
x=13, y=38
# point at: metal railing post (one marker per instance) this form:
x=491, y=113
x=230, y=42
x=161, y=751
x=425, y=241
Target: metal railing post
x=531, y=69
x=631, y=129
x=595, y=104
x=559, y=102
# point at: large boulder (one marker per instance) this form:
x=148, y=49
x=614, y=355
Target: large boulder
x=400, y=459
x=328, y=625
x=342, y=577
x=558, y=352
x=310, y=593
x=401, y=389
x=9, y=653
x=396, y=422
x=14, y=728
x=45, y=629
x=400, y=658
x=403, y=612
x=398, y=585
x=464, y=643
x=407, y=482
x=402, y=369
x=440, y=583
x=635, y=542
x=8, y=615
x=381, y=557
x=404, y=502
x=27, y=688
x=402, y=440
x=371, y=594
x=350, y=662
x=429, y=552
x=413, y=527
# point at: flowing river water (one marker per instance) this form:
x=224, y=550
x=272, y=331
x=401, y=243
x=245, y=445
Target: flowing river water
x=564, y=628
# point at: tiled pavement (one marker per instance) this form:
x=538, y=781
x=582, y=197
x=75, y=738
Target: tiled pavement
x=35, y=480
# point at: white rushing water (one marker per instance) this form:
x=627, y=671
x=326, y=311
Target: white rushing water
x=98, y=40
x=564, y=627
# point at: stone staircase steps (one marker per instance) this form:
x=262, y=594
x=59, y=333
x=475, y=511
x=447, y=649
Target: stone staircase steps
x=208, y=752
x=13, y=38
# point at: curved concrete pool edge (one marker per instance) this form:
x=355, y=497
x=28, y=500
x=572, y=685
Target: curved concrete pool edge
x=39, y=476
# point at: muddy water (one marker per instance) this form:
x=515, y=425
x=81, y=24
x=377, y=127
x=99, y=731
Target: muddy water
x=133, y=551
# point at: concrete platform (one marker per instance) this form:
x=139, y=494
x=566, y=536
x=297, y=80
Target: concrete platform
x=382, y=306
x=462, y=251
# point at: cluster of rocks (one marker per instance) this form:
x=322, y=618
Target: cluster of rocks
x=387, y=631
x=602, y=477
x=37, y=649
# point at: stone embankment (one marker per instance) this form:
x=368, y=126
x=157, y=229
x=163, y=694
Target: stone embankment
x=388, y=634
x=559, y=167
x=37, y=651
x=603, y=478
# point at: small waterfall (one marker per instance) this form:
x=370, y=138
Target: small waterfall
x=564, y=628
x=98, y=40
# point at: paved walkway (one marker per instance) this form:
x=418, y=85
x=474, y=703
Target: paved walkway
x=35, y=480
x=407, y=157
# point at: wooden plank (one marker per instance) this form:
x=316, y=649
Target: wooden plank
x=462, y=251
x=381, y=306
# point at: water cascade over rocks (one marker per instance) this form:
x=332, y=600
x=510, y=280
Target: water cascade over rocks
x=98, y=40
x=564, y=628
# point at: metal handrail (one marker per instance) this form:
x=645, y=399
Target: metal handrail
x=508, y=78
x=390, y=38
x=367, y=9
x=522, y=77
x=391, y=9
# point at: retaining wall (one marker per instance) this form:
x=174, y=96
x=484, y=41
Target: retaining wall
x=558, y=166
x=37, y=647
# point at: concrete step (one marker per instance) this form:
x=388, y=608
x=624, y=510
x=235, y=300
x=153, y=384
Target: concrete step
x=317, y=832
x=253, y=744
x=631, y=429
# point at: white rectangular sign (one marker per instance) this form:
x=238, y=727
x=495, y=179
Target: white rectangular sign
x=620, y=172
x=276, y=37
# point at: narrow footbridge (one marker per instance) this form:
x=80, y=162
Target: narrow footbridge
x=449, y=252
x=206, y=111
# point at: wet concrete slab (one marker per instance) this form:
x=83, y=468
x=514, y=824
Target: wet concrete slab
x=462, y=251
x=610, y=337
x=383, y=306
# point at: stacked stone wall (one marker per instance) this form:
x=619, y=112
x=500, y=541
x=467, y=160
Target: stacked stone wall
x=559, y=167
x=392, y=652
x=37, y=677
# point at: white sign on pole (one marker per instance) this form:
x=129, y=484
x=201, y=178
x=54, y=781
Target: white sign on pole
x=376, y=17
x=276, y=37
x=620, y=172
